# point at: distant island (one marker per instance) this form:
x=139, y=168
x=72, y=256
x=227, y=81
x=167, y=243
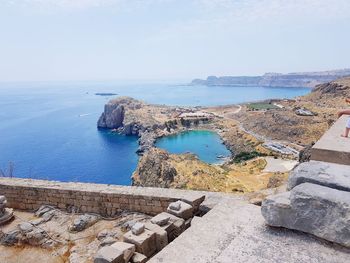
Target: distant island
x=105, y=94
x=293, y=80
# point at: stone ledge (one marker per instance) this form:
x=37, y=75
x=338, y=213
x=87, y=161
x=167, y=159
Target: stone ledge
x=332, y=175
x=234, y=231
x=332, y=147
x=311, y=208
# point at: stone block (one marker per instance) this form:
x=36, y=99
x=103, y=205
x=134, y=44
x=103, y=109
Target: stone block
x=138, y=258
x=145, y=243
x=315, y=209
x=161, y=235
x=138, y=228
x=174, y=227
x=180, y=209
x=109, y=254
x=127, y=249
x=332, y=175
x=160, y=219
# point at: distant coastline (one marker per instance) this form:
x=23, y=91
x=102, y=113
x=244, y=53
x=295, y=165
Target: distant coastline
x=290, y=80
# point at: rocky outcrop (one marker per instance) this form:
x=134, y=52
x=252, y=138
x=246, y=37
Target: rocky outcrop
x=154, y=169
x=112, y=117
x=125, y=114
x=146, y=141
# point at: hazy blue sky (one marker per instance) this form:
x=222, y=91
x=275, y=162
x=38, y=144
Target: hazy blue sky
x=170, y=39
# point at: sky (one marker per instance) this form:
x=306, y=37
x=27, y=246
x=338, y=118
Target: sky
x=59, y=40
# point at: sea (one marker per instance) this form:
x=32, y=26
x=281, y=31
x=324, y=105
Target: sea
x=48, y=129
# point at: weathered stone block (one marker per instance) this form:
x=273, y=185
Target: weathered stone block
x=83, y=222
x=145, y=243
x=138, y=258
x=161, y=235
x=109, y=255
x=180, y=209
x=174, y=227
x=138, y=228
x=160, y=219
x=332, y=175
x=126, y=248
x=311, y=208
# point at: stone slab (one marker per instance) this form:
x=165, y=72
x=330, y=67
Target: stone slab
x=332, y=147
x=138, y=258
x=180, y=209
x=126, y=248
x=311, y=208
x=109, y=255
x=234, y=231
x=332, y=175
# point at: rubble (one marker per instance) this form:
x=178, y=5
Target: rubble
x=6, y=214
x=83, y=222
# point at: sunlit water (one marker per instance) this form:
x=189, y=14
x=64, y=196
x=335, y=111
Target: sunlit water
x=48, y=130
x=206, y=145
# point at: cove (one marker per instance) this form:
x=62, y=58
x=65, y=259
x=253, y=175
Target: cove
x=207, y=145
x=48, y=129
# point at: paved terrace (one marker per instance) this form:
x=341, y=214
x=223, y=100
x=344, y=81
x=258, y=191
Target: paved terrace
x=234, y=231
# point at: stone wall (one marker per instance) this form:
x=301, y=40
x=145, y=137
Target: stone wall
x=30, y=194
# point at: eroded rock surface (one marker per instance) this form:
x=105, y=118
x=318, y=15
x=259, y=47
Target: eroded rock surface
x=335, y=176
x=154, y=169
x=311, y=208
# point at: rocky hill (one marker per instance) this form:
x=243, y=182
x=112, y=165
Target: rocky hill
x=286, y=123
x=158, y=168
x=298, y=79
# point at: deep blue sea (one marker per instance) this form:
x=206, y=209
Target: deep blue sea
x=48, y=130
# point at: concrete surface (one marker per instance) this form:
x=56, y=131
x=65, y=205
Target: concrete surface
x=311, y=208
x=279, y=165
x=332, y=147
x=234, y=231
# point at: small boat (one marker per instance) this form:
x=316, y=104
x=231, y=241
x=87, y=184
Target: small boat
x=82, y=115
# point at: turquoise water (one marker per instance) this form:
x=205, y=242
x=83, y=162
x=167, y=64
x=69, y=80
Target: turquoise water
x=206, y=145
x=48, y=130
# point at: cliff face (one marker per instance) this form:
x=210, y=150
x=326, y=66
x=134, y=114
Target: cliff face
x=307, y=79
x=130, y=116
x=154, y=170
x=112, y=117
